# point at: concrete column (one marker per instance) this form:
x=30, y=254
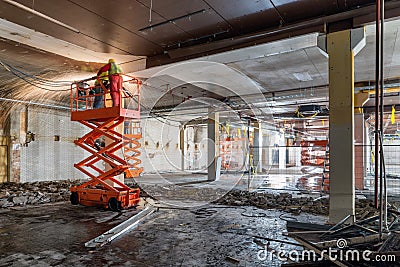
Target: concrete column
x=282, y=151
x=340, y=47
x=360, y=99
x=267, y=151
x=257, y=150
x=367, y=151
x=4, y=153
x=15, y=141
x=213, y=145
x=182, y=146
x=359, y=150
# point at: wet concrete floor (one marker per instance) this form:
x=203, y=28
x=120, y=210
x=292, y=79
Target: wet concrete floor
x=54, y=235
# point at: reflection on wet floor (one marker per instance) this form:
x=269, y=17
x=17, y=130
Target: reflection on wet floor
x=304, y=179
x=211, y=236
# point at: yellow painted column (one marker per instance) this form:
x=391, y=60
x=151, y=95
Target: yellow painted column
x=4, y=159
x=341, y=125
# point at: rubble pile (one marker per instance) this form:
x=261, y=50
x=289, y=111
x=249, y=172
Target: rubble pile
x=16, y=194
x=286, y=202
x=21, y=194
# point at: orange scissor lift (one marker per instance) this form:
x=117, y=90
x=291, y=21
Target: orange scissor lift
x=104, y=189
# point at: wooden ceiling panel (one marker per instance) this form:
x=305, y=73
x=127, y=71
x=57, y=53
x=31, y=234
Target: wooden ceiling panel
x=165, y=35
x=197, y=25
x=293, y=11
x=97, y=33
x=130, y=14
x=247, y=16
x=345, y=4
x=133, y=16
x=204, y=24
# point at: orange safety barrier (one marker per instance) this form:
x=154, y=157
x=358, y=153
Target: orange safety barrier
x=104, y=189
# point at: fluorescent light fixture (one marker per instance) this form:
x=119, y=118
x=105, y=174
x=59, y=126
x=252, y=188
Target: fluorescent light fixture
x=30, y=10
x=303, y=76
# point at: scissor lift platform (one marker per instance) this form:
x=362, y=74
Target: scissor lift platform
x=104, y=189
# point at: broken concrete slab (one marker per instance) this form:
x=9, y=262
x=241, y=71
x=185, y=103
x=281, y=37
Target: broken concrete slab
x=21, y=201
x=14, y=194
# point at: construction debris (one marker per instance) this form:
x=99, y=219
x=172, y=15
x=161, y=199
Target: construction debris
x=15, y=194
x=289, y=203
x=351, y=240
x=118, y=230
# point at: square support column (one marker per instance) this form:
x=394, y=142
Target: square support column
x=257, y=149
x=359, y=150
x=282, y=151
x=213, y=146
x=360, y=132
x=182, y=146
x=341, y=125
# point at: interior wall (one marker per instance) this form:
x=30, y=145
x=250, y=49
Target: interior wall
x=37, y=156
x=45, y=158
x=36, y=153
x=196, y=148
x=160, y=147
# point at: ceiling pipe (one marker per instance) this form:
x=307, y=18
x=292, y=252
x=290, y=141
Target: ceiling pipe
x=377, y=101
x=382, y=182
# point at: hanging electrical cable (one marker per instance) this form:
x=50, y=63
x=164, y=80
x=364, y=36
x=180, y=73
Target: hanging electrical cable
x=37, y=86
x=42, y=80
x=8, y=67
x=34, y=80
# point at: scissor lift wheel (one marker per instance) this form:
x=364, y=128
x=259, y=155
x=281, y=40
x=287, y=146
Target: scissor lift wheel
x=74, y=198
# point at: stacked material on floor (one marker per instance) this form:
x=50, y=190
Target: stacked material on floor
x=15, y=194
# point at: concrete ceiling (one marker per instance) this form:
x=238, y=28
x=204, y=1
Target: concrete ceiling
x=288, y=72
x=241, y=47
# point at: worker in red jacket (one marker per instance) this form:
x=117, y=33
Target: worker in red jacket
x=114, y=74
